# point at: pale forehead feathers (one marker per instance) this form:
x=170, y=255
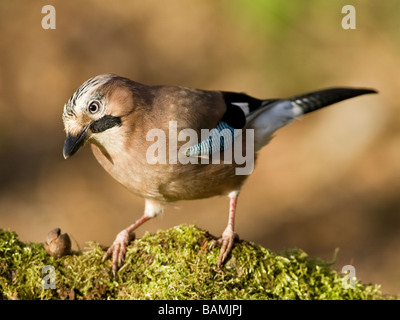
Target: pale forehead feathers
x=84, y=93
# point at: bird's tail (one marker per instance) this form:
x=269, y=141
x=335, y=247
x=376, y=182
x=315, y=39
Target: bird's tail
x=275, y=114
x=318, y=99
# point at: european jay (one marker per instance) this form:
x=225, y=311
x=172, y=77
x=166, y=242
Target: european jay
x=128, y=123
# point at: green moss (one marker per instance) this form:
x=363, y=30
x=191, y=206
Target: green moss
x=172, y=264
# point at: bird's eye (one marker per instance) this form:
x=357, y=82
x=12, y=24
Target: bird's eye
x=94, y=107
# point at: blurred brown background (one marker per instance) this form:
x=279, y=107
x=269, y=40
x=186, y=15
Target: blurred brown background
x=330, y=180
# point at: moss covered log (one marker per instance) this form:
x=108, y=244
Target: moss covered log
x=171, y=264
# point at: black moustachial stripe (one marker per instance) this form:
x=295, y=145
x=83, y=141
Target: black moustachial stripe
x=105, y=123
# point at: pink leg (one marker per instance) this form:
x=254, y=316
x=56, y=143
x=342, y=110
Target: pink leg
x=228, y=236
x=118, y=248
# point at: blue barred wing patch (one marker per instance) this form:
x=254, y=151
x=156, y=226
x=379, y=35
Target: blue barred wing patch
x=220, y=138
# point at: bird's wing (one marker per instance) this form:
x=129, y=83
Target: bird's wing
x=190, y=108
x=265, y=116
x=237, y=108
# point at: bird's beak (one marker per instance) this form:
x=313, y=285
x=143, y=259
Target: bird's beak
x=73, y=143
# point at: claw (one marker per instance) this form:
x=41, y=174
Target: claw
x=214, y=243
x=118, y=249
x=226, y=243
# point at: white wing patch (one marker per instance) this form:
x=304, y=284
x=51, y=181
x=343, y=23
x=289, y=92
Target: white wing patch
x=244, y=106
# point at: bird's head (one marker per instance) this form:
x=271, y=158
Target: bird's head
x=92, y=110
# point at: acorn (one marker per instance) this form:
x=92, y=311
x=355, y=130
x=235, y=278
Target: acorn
x=57, y=244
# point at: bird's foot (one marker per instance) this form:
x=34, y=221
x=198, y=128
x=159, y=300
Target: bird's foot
x=226, y=243
x=118, y=249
